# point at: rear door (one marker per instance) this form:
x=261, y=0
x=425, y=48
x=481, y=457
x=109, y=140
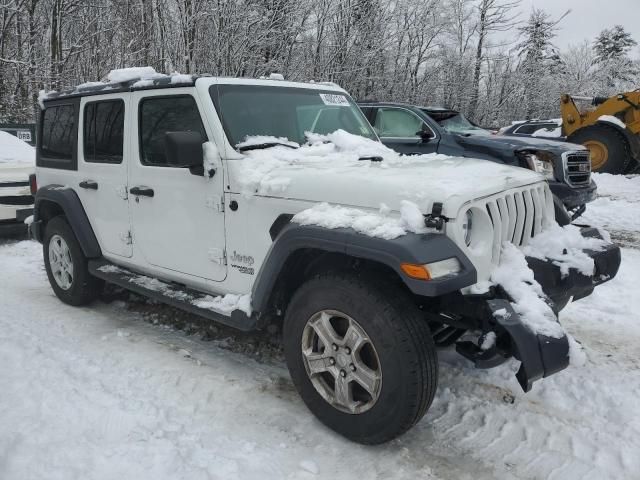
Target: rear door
x=399, y=129
x=103, y=155
x=177, y=216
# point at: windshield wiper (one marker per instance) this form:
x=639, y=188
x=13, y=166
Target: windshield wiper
x=261, y=146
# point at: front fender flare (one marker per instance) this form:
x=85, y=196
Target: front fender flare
x=69, y=202
x=409, y=248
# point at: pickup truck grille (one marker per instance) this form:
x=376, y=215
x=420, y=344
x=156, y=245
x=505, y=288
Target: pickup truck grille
x=519, y=215
x=577, y=168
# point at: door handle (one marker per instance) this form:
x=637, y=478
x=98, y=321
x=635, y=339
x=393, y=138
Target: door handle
x=88, y=184
x=141, y=191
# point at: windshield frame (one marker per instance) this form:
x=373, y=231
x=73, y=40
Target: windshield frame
x=214, y=94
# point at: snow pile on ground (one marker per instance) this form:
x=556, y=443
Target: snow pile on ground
x=14, y=150
x=374, y=224
x=616, y=207
x=612, y=119
x=565, y=245
x=94, y=392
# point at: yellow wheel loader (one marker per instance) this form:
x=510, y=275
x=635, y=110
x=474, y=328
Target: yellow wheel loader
x=610, y=130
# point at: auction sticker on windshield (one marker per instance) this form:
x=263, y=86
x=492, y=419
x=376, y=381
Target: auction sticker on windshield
x=334, y=99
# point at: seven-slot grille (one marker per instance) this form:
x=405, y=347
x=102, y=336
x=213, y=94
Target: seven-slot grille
x=519, y=215
x=577, y=168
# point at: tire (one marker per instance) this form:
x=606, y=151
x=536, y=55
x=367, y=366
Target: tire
x=73, y=284
x=399, y=338
x=610, y=151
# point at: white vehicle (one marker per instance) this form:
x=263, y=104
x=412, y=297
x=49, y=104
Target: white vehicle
x=252, y=201
x=17, y=163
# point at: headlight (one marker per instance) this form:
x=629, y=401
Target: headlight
x=467, y=224
x=541, y=162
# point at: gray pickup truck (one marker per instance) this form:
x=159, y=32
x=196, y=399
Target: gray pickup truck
x=412, y=129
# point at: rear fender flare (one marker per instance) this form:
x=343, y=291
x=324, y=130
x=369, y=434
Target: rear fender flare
x=69, y=202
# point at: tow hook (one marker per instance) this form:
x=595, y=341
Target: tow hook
x=435, y=219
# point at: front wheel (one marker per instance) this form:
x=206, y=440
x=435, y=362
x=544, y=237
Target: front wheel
x=361, y=356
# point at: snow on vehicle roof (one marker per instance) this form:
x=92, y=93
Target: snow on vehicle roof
x=14, y=150
x=134, y=78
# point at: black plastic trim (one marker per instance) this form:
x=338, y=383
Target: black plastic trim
x=70, y=203
x=410, y=248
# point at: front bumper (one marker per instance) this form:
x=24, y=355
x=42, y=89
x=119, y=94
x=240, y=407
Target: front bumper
x=540, y=355
x=14, y=225
x=572, y=197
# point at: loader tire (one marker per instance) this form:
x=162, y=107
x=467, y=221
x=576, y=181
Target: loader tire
x=610, y=152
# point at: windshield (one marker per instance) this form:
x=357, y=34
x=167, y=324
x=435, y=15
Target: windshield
x=455, y=122
x=250, y=110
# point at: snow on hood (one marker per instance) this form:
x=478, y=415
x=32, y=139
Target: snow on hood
x=328, y=169
x=17, y=159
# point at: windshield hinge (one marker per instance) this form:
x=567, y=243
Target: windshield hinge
x=435, y=219
x=216, y=203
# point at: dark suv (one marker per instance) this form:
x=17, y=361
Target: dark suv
x=411, y=129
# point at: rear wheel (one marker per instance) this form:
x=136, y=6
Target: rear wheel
x=361, y=356
x=609, y=149
x=66, y=265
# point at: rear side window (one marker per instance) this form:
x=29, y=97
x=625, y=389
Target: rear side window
x=103, y=131
x=159, y=115
x=58, y=136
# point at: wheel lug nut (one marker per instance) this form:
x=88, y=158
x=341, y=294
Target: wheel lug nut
x=348, y=350
x=332, y=361
x=343, y=373
x=335, y=347
x=352, y=367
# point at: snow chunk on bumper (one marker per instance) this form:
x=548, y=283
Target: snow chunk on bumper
x=565, y=246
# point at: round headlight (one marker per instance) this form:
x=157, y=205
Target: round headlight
x=466, y=226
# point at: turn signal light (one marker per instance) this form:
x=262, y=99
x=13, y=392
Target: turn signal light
x=419, y=272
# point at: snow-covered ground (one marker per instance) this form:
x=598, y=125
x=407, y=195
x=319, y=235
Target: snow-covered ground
x=107, y=392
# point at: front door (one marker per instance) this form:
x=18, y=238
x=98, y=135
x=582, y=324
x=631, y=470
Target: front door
x=177, y=216
x=103, y=157
x=399, y=129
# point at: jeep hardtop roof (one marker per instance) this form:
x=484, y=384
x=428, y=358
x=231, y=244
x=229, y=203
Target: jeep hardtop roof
x=177, y=81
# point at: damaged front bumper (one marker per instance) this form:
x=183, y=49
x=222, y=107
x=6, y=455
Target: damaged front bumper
x=539, y=355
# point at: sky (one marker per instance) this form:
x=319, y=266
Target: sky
x=588, y=18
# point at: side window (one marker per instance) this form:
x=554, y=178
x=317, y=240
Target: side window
x=103, y=131
x=396, y=122
x=58, y=135
x=159, y=115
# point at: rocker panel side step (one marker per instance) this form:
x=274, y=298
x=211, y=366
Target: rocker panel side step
x=175, y=295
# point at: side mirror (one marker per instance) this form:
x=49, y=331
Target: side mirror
x=425, y=134
x=184, y=149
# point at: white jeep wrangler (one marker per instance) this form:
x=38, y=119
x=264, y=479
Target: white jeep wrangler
x=249, y=201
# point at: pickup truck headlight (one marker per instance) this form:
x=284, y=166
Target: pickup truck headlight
x=541, y=162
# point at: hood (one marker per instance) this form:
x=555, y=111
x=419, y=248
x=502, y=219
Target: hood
x=15, y=172
x=518, y=143
x=329, y=170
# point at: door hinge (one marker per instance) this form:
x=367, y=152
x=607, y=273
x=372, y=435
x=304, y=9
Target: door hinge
x=122, y=192
x=218, y=255
x=216, y=203
x=126, y=238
